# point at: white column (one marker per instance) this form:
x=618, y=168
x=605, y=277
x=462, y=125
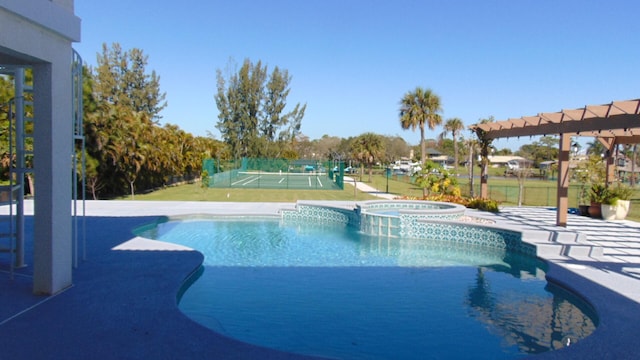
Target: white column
x=52, y=169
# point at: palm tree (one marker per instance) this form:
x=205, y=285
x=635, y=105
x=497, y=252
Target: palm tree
x=454, y=126
x=595, y=147
x=368, y=148
x=484, y=144
x=417, y=108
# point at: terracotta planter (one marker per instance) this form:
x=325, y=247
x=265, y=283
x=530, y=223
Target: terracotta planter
x=622, y=209
x=594, y=211
x=608, y=212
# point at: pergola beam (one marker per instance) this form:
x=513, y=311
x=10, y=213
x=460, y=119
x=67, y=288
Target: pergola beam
x=586, y=127
x=612, y=124
x=623, y=140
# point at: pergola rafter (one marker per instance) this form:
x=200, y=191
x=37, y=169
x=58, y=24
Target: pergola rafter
x=620, y=119
x=612, y=124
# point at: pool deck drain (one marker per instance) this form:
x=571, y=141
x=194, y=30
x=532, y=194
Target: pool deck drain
x=123, y=301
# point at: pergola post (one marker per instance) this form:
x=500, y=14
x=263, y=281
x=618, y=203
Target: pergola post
x=563, y=180
x=485, y=144
x=611, y=167
x=609, y=157
x=484, y=172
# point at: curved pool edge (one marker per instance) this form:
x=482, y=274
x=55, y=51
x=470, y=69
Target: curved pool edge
x=577, y=265
x=617, y=315
x=617, y=318
x=223, y=346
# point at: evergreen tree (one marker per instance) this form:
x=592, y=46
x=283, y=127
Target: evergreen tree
x=126, y=150
x=121, y=105
x=252, y=117
x=368, y=149
x=121, y=80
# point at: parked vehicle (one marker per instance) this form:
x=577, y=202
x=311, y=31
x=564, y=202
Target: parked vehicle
x=406, y=167
x=513, y=165
x=347, y=170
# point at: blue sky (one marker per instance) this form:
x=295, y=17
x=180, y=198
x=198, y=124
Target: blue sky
x=352, y=61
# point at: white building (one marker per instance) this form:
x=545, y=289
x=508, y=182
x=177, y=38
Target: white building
x=38, y=34
x=510, y=162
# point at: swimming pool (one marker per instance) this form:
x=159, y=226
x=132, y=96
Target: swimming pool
x=323, y=289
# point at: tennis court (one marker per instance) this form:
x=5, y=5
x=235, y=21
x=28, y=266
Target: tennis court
x=310, y=180
x=281, y=174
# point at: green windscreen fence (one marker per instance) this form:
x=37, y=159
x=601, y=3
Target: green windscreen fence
x=275, y=174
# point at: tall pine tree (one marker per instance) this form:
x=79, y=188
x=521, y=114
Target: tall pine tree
x=121, y=79
x=252, y=117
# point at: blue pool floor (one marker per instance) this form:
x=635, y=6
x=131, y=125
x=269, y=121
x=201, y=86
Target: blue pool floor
x=122, y=304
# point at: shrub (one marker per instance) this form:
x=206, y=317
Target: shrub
x=471, y=203
x=621, y=191
x=598, y=193
x=483, y=205
x=205, y=179
x=437, y=181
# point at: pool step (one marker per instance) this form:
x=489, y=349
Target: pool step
x=380, y=225
x=569, y=250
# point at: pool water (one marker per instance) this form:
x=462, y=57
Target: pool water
x=333, y=292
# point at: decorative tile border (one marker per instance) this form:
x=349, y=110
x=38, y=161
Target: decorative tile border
x=414, y=219
x=475, y=234
x=321, y=214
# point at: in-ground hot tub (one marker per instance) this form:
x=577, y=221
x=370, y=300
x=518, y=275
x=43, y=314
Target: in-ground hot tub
x=398, y=218
x=410, y=219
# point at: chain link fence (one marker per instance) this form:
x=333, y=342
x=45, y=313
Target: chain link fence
x=301, y=174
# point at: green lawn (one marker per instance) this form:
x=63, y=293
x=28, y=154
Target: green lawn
x=504, y=190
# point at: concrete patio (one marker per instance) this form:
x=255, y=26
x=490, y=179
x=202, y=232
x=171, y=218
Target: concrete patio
x=122, y=304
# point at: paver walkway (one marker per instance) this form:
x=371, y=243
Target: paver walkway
x=364, y=187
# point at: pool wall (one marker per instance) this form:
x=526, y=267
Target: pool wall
x=411, y=219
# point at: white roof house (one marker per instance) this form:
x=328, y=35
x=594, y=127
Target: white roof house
x=502, y=160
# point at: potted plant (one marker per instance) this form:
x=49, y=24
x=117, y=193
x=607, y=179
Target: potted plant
x=609, y=205
x=623, y=195
x=581, y=175
x=583, y=200
x=589, y=171
x=597, y=194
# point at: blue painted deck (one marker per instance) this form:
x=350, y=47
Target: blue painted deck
x=123, y=302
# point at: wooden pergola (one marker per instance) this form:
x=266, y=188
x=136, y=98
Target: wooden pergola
x=612, y=124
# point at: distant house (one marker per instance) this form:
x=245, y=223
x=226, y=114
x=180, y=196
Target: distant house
x=439, y=158
x=431, y=153
x=546, y=165
x=625, y=169
x=508, y=160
